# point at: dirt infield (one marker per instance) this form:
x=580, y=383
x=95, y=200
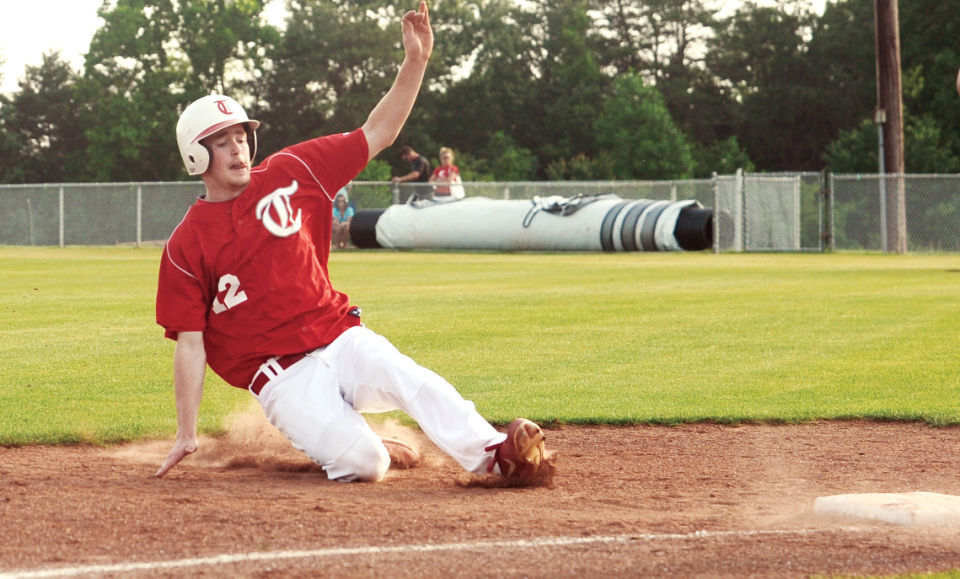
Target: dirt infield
x=696, y=500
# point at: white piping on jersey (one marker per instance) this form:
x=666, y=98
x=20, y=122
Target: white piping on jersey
x=266, y=164
x=166, y=249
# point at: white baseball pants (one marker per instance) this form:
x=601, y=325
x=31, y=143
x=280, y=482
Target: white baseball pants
x=316, y=404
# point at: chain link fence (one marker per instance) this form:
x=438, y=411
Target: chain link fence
x=769, y=212
x=93, y=213
x=866, y=214
x=752, y=212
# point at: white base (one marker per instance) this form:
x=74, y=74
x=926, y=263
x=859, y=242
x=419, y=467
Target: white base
x=914, y=508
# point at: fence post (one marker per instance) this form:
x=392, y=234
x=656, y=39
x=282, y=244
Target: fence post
x=139, y=214
x=61, y=215
x=716, y=214
x=740, y=200
x=884, y=242
x=831, y=223
x=826, y=231
x=30, y=218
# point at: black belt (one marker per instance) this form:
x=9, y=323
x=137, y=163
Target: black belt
x=261, y=379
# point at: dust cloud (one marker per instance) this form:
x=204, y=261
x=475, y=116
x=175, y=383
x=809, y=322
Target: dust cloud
x=250, y=441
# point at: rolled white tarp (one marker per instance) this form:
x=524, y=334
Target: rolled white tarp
x=580, y=223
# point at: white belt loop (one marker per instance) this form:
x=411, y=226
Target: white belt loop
x=271, y=368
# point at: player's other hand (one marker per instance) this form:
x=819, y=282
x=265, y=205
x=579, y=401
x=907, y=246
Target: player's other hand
x=181, y=449
x=417, y=33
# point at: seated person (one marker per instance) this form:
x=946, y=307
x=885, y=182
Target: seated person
x=342, y=214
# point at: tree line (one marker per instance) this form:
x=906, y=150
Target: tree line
x=521, y=90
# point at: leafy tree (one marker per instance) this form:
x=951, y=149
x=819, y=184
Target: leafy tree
x=503, y=160
x=842, y=55
x=497, y=95
x=533, y=78
x=722, y=157
x=857, y=151
x=336, y=60
x=843, y=51
x=854, y=151
x=929, y=57
x=665, y=40
x=656, y=38
x=376, y=170
x=581, y=168
x=521, y=90
x=43, y=136
x=11, y=145
x=149, y=58
x=569, y=88
x=11, y=171
x=761, y=53
x=801, y=93
x=638, y=136
x=216, y=34
x=128, y=82
x=333, y=64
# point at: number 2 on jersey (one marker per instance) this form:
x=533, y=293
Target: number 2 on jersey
x=234, y=296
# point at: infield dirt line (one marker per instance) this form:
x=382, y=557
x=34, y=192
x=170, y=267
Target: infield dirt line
x=373, y=550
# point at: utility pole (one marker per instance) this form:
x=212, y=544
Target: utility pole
x=889, y=117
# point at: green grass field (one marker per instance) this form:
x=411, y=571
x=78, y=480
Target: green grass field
x=579, y=338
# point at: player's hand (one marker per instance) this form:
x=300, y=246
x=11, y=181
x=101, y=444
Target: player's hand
x=417, y=33
x=181, y=449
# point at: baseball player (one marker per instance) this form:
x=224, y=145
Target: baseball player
x=244, y=288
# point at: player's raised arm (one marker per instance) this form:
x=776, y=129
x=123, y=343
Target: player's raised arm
x=387, y=118
x=189, y=365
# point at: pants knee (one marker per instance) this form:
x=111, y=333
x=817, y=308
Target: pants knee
x=366, y=460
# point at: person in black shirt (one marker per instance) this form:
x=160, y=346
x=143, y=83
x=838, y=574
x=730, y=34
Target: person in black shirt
x=419, y=172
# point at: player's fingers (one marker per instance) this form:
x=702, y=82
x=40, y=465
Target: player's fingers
x=406, y=24
x=176, y=455
x=425, y=12
x=418, y=19
x=172, y=460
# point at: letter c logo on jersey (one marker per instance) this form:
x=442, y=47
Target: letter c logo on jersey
x=276, y=213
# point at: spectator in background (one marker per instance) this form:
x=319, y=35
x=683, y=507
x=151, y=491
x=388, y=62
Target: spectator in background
x=445, y=176
x=419, y=172
x=342, y=214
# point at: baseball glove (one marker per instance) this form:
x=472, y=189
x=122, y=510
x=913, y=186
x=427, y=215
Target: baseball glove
x=402, y=455
x=522, y=457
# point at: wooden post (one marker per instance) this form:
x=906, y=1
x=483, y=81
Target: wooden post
x=890, y=108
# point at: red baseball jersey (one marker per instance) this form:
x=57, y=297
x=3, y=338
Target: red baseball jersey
x=251, y=273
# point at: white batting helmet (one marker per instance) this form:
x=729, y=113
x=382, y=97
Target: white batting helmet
x=204, y=117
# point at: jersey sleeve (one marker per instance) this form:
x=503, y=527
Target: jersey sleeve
x=182, y=297
x=331, y=161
